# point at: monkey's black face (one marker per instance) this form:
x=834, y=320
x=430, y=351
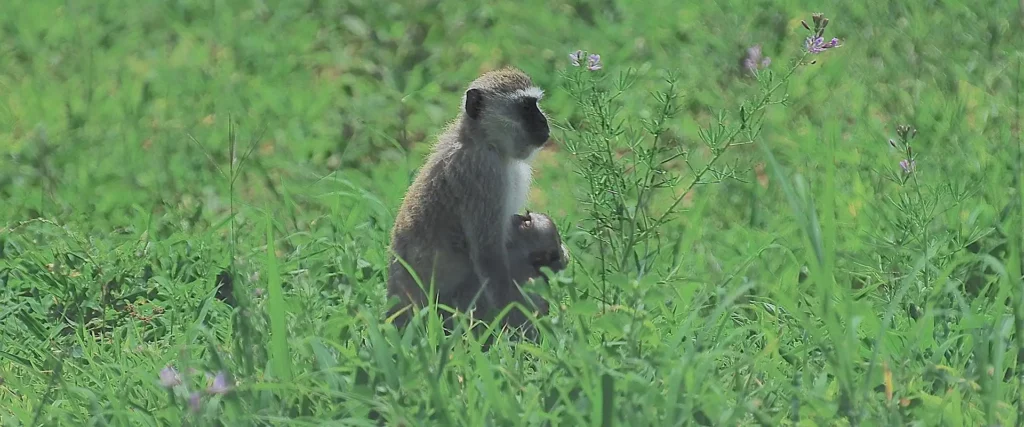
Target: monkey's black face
x=534, y=122
x=511, y=120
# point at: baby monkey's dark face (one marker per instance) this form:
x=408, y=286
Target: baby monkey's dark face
x=538, y=237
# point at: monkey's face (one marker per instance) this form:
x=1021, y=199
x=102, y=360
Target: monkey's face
x=512, y=120
x=537, y=232
x=532, y=121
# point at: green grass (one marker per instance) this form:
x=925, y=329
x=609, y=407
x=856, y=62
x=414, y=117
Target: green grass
x=210, y=185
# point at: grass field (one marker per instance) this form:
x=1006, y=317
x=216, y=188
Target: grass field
x=209, y=186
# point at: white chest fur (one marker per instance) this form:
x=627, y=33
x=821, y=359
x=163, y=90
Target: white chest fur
x=519, y=178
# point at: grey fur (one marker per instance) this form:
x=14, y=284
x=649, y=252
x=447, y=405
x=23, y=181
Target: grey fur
x=453, y=224
x=534, y=242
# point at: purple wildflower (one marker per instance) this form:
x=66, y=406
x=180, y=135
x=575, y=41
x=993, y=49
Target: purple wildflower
x=817, y=44
x=575, y=58
x=593, y=60
x=169, y=377
x=755, y=60
x=220, y=384
x=194, y=401
x=908, y=166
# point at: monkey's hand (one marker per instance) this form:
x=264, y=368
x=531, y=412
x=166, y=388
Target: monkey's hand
x=485, y=237
x=490, y=263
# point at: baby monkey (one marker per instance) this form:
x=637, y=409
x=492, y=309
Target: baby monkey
x=534, y=243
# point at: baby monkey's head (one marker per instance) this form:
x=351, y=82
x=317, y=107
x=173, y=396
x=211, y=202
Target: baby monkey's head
x=541, y=241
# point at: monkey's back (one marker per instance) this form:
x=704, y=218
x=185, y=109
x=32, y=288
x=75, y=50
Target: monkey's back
x=428, y=233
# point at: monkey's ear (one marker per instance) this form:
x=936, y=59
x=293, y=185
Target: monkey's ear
x=474, y=103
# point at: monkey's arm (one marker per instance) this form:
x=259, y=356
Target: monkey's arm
x=485, y=224
x=487, y=251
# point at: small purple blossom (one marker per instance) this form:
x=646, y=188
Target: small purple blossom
x=575, y=58
x=220, y=384
x=169, y=377
x=815, y=43
x=593, y=60
x=194, y=402
x=755, y=60
x=818, y=44
x=908, y=166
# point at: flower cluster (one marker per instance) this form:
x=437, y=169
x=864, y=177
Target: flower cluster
x=169, y=377
x=593, y=60
x=908, y=166
x=217, y=385
x=815, y=43
x=905, y=134
x=755, y=60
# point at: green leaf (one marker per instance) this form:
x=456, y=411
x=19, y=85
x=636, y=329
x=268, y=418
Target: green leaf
x=280, y=358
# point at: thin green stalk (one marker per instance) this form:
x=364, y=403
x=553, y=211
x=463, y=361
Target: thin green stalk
x=718, y=151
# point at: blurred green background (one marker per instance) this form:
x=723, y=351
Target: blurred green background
x=119, y=121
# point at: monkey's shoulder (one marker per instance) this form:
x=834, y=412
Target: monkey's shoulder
x=465, y=169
